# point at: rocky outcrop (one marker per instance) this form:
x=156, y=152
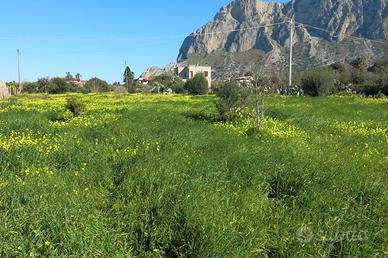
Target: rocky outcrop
x=155, y=71
x=249, y=24
x=151, y=72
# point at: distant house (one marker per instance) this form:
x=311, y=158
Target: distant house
x=4, y=91
x=80, y=83
x=143, y=81
x=188, y=72
x=244, y=79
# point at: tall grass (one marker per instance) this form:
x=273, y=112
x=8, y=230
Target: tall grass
x=136, y=176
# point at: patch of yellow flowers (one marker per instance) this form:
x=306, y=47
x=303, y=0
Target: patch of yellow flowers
x=43, y=143
x=31, y=171
x=272, y=126
x=362, y=129
x=86, y=121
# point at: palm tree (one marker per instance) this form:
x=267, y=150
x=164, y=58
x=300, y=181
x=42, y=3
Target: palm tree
x=78, y=77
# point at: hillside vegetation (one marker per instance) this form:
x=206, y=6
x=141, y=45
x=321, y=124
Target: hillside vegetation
x=152, y=176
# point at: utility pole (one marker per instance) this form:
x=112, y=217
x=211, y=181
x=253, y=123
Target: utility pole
x=18, y=56
x=291, y=45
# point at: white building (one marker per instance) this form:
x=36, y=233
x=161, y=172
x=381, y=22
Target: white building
x=188, y=72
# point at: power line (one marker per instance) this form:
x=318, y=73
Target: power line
x=102, y=50
x=347, y=36
x=141, y=38
x=18, y=61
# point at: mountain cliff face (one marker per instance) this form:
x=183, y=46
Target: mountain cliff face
x=250, y=24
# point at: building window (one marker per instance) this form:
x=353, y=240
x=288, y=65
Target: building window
x=206, y=74
x=191, y=74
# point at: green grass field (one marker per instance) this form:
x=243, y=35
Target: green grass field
x=151, y=176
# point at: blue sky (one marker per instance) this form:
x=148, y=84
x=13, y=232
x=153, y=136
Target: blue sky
x=31, y=26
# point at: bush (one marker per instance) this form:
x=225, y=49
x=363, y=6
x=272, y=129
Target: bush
x=167, y=84
x=52, y=86
x=338, y=66
x=30, y=87
x=289, y=90
x=318, y=82
x=75, y=106
x=96, y=85
x=379, y=66
x=59, y=86
x=179, y=87
x=133, y=87
x=370, y=90
x=232, y=95
x=197, y=85
x=359, y=63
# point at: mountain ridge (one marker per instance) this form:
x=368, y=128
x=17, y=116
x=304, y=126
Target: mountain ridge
x=244, y=25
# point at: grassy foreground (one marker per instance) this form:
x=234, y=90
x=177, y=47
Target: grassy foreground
x=150, y=176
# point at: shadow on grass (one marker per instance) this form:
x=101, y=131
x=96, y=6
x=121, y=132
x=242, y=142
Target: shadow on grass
x=282, y=187
x=54, y=116
x=202, y=116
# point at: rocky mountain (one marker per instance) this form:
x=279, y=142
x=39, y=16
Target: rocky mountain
x=155, y=71
x=324, y=31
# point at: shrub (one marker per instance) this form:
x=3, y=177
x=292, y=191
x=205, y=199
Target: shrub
x=380, y=95
x=232, y=95
x=197, y=85
x=96, y=85
x=44, y=84
x=30, y=87
x=133, y=87
x=369, y=90
x=179, y=87
x=75, y=106
x=318, y=82
x=359, y=77
x=289, y=90
x=345, y=77
x=338, y=66
x=58, y=86
x=157, y=87
x=359, y=63
x=169, y=83
x=379, y=66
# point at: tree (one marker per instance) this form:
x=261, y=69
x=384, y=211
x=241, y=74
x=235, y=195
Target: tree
x=198, y=85
x=43, y=84
x=380, y=74
x=58, y=86
x=379, y=66
x=261, y=85
x=338, y=67
x=13, y=87
x=129, y=77
x=96, y=85
x=318, y=82
x=78, y=77
x=69, y=77
x=29, y=87
x=232, y=95
x=359, y=63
